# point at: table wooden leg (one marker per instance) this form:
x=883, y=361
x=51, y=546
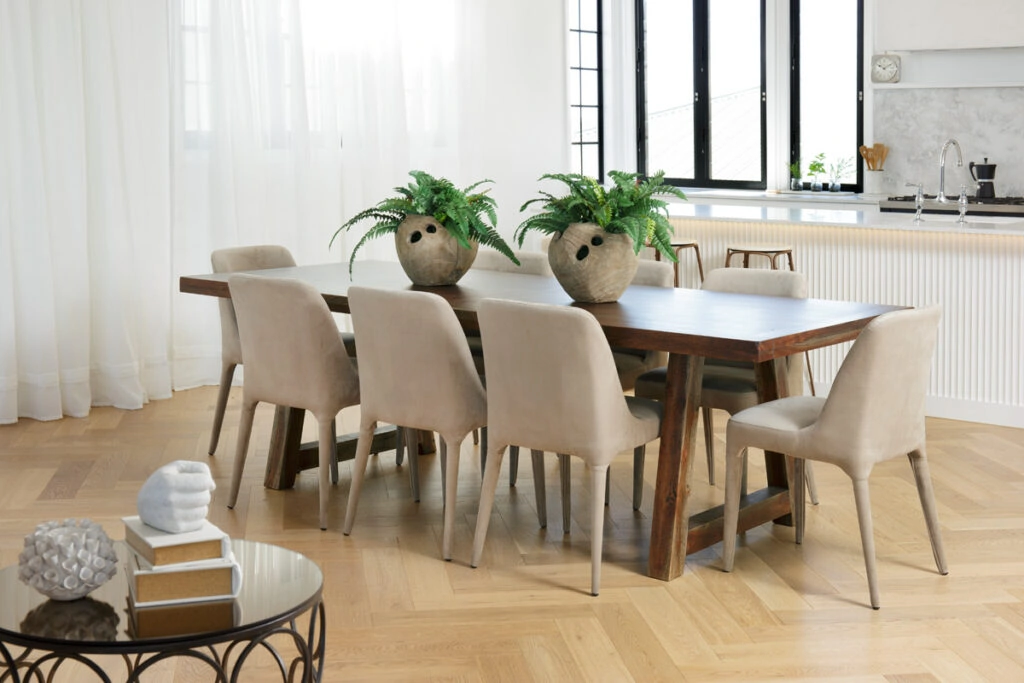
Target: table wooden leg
x=285, y=441
x=669, y=528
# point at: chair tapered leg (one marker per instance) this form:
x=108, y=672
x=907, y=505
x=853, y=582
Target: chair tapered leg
x=483, y=517
x=862, y=496
x=599, y=474
x=743, y=476
x=709, y=442
x=476, y=437
x=796, y=492
x=334, y=453
x=639, y=456
x=483, y=450
x=919, y=462
x=540, y=491
x=363, y=446
x=241, y=449
x=227, y=372
x=444, y=472
x=734, y=461
x=564, y=476
x=400, y=439
x=812, y=485
x=408, y=436
x=513, y=465
x=451, y=487
x=328, y=453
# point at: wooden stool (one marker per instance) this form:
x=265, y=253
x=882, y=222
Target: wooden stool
x=678, y=244
x=770, y=251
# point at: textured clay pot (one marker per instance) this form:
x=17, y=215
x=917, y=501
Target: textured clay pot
x=593, y=266
x=429, y=255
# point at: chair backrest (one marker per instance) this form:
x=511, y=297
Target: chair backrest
x=767, y=283
x=531, y=262
x=757, y=281
x=551, y=380
x=293, y=351
x=875, y=408
x=232, y=260
x=415, y=366
x=654, y=274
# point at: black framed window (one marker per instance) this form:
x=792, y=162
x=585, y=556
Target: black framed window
x=827, y=89
x=585, y=89
x=701, y=100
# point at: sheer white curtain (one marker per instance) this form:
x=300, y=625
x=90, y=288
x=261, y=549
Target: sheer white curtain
x=139, y=135
x=84, y=207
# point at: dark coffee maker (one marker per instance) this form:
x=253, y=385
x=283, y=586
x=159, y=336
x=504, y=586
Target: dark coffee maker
x=985, y=177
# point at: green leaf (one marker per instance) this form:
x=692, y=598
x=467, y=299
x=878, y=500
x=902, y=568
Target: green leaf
x=467, y=215
x=630, y=206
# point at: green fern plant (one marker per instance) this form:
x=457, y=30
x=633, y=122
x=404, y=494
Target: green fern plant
x=466, y=214
x=630, y=206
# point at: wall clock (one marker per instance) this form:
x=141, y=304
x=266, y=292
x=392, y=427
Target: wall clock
x=885, y=69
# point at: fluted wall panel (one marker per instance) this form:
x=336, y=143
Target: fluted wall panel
x=978, y=279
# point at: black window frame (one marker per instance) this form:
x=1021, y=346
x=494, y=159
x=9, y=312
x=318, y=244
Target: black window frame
x=576, y=64
x=794, y=91
x=702, y=103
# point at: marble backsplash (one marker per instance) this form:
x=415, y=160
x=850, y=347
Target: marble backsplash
x=915, y=122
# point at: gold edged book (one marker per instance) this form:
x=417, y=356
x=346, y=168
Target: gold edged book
x=161, y=547
x=183, y=618
x=185, y=582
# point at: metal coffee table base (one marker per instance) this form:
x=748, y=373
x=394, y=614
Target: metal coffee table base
x=306, y=665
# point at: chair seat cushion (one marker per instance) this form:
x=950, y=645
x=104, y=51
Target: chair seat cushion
x=776, y=424
x=717, y=378
x=648, y=414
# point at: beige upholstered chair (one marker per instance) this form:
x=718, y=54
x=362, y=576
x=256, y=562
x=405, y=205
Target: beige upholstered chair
x=631, y=363
x=294, y=357
x=424, y=380
x=731, y=386
x=552, y=386
x=874, y=412
x=231, y=260
x=531, y=263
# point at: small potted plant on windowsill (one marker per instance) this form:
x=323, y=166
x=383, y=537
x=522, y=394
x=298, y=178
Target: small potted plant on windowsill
x=437, y=228
x=836, y=172
x=816, y=168
x=597, y=233
x=795, y=176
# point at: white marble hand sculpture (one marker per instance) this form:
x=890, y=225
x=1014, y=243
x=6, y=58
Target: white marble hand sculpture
x=176, y=497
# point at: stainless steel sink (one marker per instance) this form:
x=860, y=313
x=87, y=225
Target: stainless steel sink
x=996, y=206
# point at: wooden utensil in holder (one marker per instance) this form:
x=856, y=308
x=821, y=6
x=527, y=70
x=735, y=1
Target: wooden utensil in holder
x=874, y=156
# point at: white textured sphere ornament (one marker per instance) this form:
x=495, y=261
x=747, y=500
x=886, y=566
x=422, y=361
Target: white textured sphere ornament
x=177, y=496
x=67, y=560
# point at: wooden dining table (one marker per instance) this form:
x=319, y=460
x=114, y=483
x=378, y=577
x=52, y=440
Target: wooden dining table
x=689, y=324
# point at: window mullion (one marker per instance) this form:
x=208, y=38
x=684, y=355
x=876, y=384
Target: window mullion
x=701, y=95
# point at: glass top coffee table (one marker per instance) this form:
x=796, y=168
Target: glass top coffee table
x=278, y=587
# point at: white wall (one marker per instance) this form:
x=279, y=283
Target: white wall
x=522, y=122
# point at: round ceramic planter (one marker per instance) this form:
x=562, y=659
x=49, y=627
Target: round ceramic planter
x=593, y=266
x=429, y=254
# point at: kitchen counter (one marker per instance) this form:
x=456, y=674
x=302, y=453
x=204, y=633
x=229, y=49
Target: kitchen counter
x=794, y=209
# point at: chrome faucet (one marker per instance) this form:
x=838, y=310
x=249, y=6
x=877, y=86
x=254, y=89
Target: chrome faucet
x=942, y=167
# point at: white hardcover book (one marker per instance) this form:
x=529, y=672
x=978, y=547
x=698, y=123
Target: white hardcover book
x=203, y=580
x=160, y=548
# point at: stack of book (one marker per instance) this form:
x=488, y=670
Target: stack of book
x=180, y=583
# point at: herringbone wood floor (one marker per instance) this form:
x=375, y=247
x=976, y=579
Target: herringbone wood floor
x=395, y=611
